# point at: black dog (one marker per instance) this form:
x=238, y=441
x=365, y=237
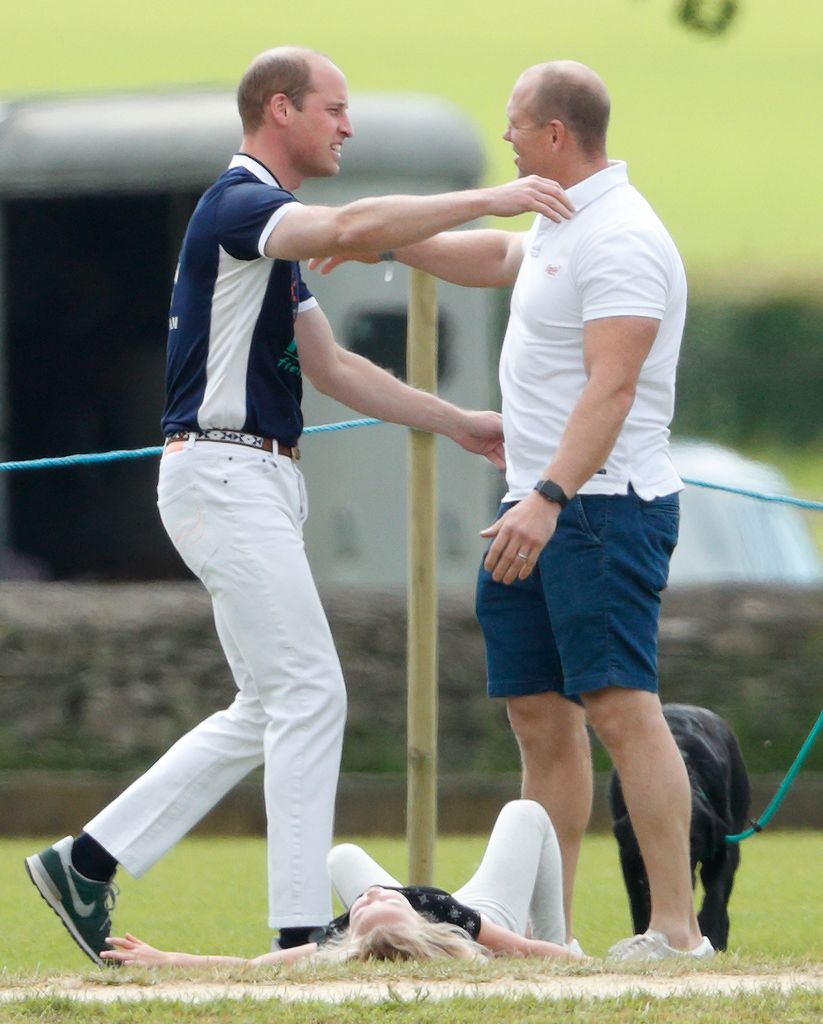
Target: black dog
x=720, y=807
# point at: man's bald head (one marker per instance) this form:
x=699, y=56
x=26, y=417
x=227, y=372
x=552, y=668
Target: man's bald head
x=284, y=69
x=567, y=91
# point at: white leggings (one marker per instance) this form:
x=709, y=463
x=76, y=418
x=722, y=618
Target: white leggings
x=519, y=882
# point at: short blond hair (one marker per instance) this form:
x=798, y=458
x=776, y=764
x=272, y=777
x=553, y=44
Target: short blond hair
x=284, y=69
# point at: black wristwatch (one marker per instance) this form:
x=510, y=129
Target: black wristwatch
x=552, y=492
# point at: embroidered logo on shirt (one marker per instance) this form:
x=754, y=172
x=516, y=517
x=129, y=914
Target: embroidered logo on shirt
x=289, y=360
x=552, y=270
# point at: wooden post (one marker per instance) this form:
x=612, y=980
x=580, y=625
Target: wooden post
x=421, y=799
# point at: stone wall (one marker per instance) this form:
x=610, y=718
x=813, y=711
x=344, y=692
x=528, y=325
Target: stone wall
x=104, y=677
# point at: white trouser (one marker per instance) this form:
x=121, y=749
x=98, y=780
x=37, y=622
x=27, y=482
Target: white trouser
x=519, y=882
x=235, y=515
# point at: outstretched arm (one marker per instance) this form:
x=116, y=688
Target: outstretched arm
x=133, y=951
x=363, y=386
x=500, y=940
x=485, y=258
x=388, y=222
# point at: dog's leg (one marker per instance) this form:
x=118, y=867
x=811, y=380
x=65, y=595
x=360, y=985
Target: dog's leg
x=717, y=876
x=637, y=886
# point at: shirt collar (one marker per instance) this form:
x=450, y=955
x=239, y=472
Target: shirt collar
x=597, y=184
x=253, y=165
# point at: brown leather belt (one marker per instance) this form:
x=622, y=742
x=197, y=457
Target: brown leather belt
x=263, y=444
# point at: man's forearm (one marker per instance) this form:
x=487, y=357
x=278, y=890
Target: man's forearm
x=365, y=387
x=615, y=349
x=388, y=222
x=591, y=432
x=475, y=259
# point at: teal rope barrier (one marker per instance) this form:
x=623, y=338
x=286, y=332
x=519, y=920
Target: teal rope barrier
x=781, y=499
x=777, y=799
x=80, y=460
x=141, y=453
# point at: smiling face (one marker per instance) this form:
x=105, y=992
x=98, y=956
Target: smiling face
x=530, y=141
x=317, y=131
x=379, y=906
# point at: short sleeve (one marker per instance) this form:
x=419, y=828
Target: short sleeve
x=464, y=917
x=247, y=211
x=624, y=272
x=305, y=299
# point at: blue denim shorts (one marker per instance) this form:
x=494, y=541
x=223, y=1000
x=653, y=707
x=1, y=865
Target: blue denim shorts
x=587, y=617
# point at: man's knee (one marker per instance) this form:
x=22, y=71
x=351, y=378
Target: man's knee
x=547, y=725
x=531, y=731
x=620, y=716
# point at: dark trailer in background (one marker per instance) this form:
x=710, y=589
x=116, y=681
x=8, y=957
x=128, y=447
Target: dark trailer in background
x=95, y=194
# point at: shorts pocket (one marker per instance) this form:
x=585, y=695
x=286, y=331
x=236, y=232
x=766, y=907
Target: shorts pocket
x=663, y=516
x=590, y=512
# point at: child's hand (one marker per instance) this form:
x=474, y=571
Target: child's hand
x=131, y=950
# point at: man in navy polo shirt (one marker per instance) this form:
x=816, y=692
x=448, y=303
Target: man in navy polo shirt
x=243, y=328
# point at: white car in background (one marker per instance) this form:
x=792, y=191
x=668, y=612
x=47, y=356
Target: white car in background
x=733, y=538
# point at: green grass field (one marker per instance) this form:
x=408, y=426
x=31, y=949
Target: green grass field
x=718, y=132
x=208, y=895
x=767, y=1008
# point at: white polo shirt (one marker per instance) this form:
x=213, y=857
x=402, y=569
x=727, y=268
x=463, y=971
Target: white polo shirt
x=612, y=258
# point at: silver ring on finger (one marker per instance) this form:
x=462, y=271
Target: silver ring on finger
x=524, y=555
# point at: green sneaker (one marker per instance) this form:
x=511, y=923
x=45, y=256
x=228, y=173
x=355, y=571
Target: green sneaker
x=84, y=906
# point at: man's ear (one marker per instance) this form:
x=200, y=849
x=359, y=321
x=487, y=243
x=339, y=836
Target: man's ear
x=279, y=107
x=557, y=134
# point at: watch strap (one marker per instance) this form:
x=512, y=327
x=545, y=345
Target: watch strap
x=552, y=492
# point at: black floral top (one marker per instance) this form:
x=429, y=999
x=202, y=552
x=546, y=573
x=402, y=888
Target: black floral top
x=434, y=904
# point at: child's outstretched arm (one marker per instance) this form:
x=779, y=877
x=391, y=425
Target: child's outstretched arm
x=500, y=940
x=133, y=951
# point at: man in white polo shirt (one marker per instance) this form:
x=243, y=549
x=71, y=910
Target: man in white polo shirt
x=569, y=590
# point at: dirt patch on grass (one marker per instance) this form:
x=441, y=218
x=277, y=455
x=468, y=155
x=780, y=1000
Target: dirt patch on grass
x=601, y=986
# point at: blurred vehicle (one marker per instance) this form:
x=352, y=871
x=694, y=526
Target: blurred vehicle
x=733, y=538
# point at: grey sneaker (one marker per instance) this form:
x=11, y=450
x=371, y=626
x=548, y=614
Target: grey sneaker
x=654, y=945
x=84, y=906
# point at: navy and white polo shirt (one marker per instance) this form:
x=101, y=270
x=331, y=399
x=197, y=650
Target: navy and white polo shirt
x=231, y=361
